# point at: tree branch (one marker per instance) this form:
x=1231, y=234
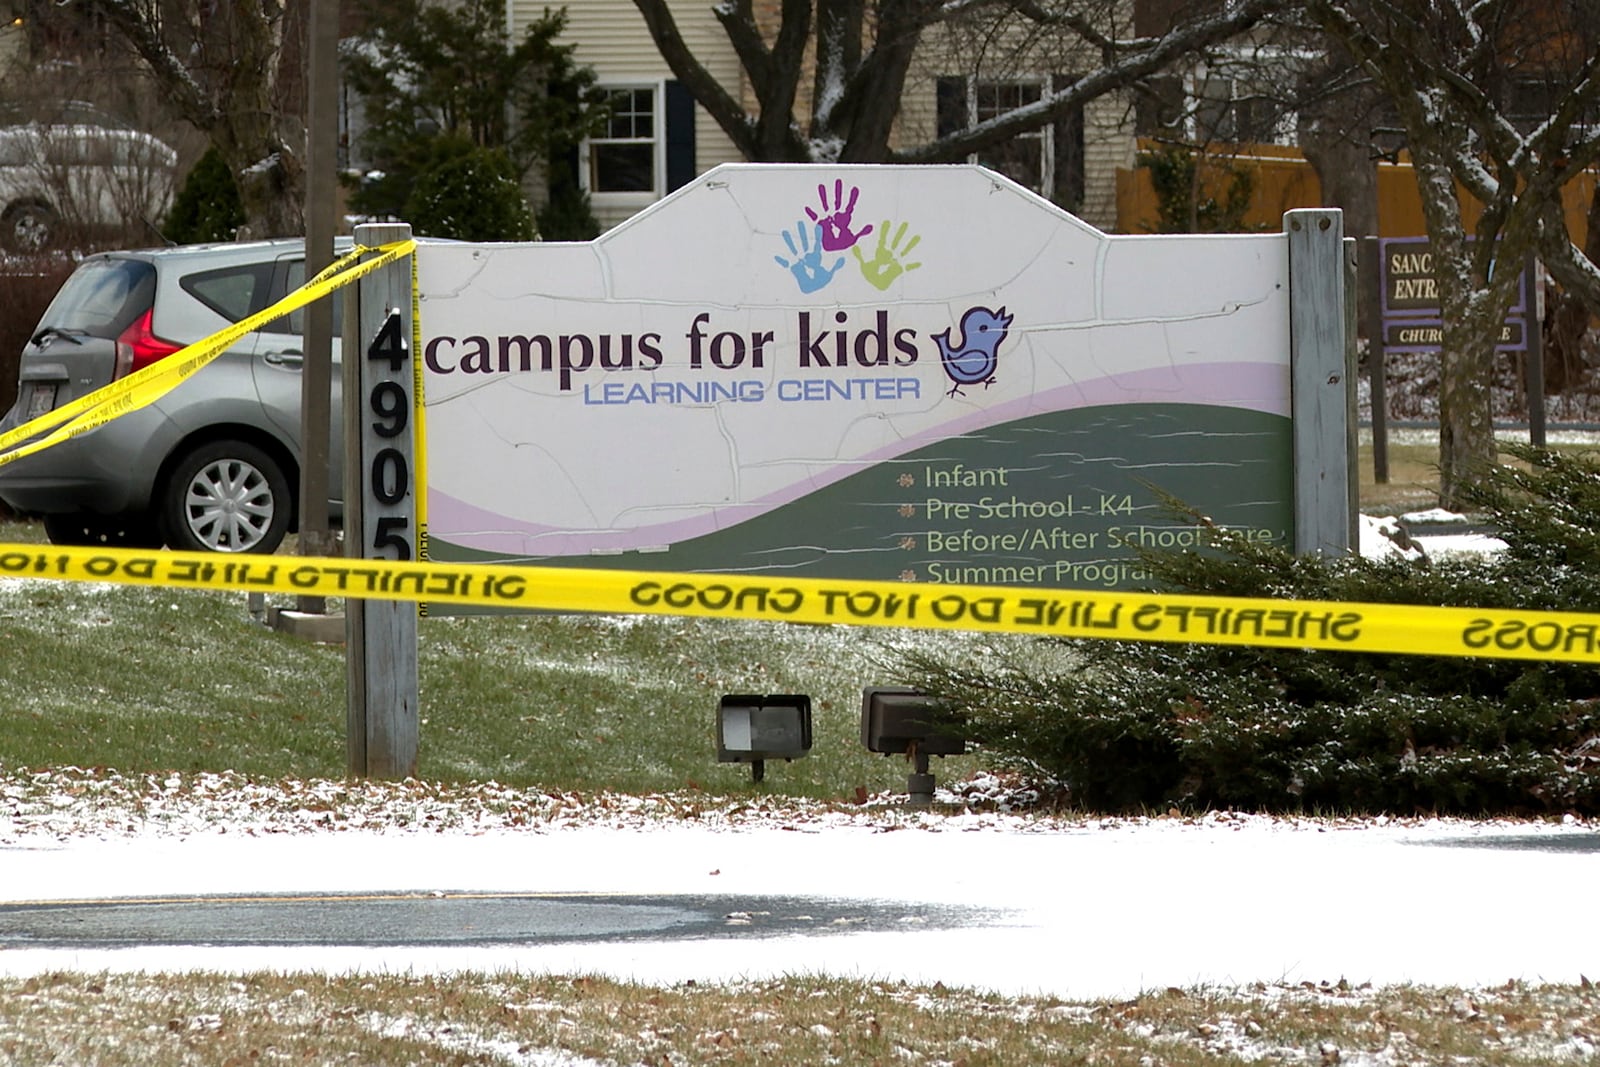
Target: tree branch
x=1149, y=56
x=701, y=84
x=739, y=23
x=1567, y=264
x=143, y=32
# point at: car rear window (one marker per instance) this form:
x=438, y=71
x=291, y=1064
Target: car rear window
x=103, y=297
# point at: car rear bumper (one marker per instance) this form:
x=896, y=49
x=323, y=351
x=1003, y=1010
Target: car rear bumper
x=109, y=471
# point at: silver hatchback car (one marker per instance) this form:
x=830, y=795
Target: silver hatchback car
x=212, y=465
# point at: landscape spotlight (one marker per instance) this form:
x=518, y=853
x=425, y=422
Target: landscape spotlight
x=896, y=720
x=754, y=729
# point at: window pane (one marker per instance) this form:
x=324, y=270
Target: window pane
x=1022, y=159
x=295, y=321
x=997, y=98
x=17, y=149
x=1214, y=119
x=623, y=160
x=632, y=114
x=103, y=296
x=232, y=292
x=622, y=168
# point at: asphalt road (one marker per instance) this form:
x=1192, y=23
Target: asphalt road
x=444, y=918
x=1097, y=909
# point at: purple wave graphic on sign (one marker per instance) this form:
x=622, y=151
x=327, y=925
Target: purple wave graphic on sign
x=1225, y=384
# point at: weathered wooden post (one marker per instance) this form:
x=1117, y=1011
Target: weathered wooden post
x=380, y=513
x=322, y=139
x=1319, y=381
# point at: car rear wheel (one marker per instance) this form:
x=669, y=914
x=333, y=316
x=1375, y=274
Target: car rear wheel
x=227, y=496
x=113, y=531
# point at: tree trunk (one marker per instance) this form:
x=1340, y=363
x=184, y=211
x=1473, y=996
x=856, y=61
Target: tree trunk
x=1567, y=319
x=1343, y=164
x=272, y=196
x=224, y=70
x=1466, y=413
x=1472, y=308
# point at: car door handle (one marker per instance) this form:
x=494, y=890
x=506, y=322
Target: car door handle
x=290, y=358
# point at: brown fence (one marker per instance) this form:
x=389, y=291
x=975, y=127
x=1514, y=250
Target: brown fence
x=1284, y=180
x=29, y=284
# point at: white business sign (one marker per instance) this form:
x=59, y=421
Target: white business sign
x=925, y=373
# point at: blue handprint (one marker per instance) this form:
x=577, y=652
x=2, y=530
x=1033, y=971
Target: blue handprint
x=836, y=235
x=807, y=266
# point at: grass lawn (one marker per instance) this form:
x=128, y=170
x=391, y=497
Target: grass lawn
x=143, y=680
x=1413, y=470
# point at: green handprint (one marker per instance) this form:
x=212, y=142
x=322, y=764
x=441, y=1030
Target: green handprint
x=887, y=262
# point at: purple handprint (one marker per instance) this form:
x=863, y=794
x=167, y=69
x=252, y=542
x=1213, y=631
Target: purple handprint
x=807, y=265
x=835, y=226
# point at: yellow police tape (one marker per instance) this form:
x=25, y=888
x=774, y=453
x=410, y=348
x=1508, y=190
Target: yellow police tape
x=1299, y=624
x=148, y=384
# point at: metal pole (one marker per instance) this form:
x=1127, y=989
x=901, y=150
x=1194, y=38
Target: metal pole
x=1533, y=371
x=1377, y=379
x=322, y=140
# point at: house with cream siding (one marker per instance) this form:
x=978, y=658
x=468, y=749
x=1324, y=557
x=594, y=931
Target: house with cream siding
x=659, y=139
x=961, y=76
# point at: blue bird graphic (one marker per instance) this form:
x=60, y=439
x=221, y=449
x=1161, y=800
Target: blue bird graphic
x=973, y=360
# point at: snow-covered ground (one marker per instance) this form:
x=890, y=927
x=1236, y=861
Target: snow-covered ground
x=1075, y=908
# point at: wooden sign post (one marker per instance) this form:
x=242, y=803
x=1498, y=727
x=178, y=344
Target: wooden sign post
x=380, y=514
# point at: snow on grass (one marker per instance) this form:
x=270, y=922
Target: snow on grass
x=67, y=802
x=460, y=1040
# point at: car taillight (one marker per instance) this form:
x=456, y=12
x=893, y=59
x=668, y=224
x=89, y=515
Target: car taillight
x=138, y=347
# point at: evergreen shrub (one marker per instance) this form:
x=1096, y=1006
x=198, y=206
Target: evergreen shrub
x=469, y=194
x=1197, y=192
x=568, y=216
x=208, y=207
x=1126, y=726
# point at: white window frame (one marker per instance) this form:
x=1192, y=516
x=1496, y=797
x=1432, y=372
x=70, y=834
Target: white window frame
x=1242, y=71
x=641, y=198
x=1045, y=135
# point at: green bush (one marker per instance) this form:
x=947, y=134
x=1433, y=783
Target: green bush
x=1187, y=200
x=1131, y=725
x=567, y=216
x=470, y=194
x=208, y=207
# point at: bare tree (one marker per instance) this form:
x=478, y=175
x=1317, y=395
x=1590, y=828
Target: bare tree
x=1337, y=109
x=860, y=54
x=1455, y=72
x=232, y=69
